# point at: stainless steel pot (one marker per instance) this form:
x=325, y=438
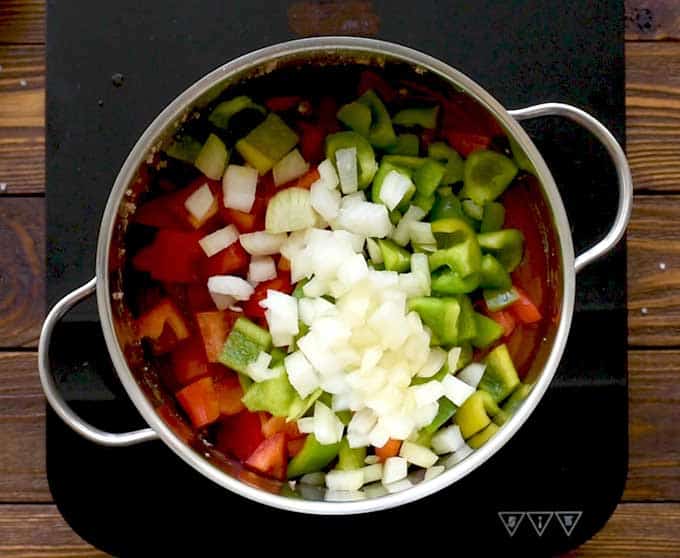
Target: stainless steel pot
x=360, y=51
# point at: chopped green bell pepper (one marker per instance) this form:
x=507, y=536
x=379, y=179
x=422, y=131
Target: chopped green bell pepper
x=475, y=414
x=521, y=158
x=447, y=281
x=365, y=154
x=244, y=343
x=267, y=143
x=486, y=175
x=381, y=133
x=421, y=116
x=458, y=247
x=472, y=210
x=481, y=438
x=428, y=177
x=407, y=144
x=439, y=376
x=493, y=217
x=213, y=158
x=488, y=331
x=222, y=113
x=454, y=162
x=350, y=458
x=493, y=275
x=276, y=396
x=313, y=457
x=394, y=256
x=465, y=357
x=441, y=315
x=513, y=402
x=507, y=245
x=446, y=410
x=426, y=203
x=447, y=205
x=386, y=168
x=184, y=148
x=356, y=116
x=497, y=299
x=467, y=327
x=500, y=377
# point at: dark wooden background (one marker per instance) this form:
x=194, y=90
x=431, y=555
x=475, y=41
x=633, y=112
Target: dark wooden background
x=647, y=521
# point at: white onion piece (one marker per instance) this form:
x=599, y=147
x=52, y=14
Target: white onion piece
x=281, y=316
x=427, y=393
x=456, y=390
x=358, y=440
x=219, y=240
x=290, y=167
x=399, y=426
x=458, y=456
x=344, y=495
x=262, y=243
x=472, y=373
x=259, y=370
x=356, y=241
x=222, y=302
x=378, y=436
x=239, y=184
x=435, y=360
x=346, y=161
x=314, y=479
x=327, y=426
x=417, y=454
x=447, y=440
x=345, y=480
x=372, y=472
x=362, y=422
x=434, y=472
x=325, y=201
x=365, y=219
x=374, y=251
x=305, y=425
x=398, y=486
x=454, y=356
x=394, y=187
x=327, y=174
x=421, y=233
x=301, y=374
x=402, y=232
x=230, y=285
x=261, y=268
x=371, y=460
x=200, y=202
x=375, y=490
x=394, y=469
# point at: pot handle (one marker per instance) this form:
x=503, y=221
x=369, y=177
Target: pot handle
x=618, y=157
x=55, y=399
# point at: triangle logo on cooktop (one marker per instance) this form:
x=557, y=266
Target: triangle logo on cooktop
x=568, y=520
x=540, y=520
x=511, y=521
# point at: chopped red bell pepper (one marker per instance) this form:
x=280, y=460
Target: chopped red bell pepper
x=284, y=103
x=328, y=110
x=164, y=316
x=229, y=393
x=266, y=190
x=239, y=435
x=390, y=449
x=232, y=260
x=371, y=80
x=199, y=299
x=274, y=425
x=312, y=142
x=505, y=319
x=189, y=362
x=215, y=327
x=295, y=446
x=523, y=345
x=269, y=457
x=523, y=309
x=199, y=400
x=160, y=213
x=466, y=143
x=172, y=256
x=283, y=264
x=252, y=308
x=307, y=179
x=169, y=415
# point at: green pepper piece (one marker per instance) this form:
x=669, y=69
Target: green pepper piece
x=350, y=458
x=426, y=117
x=395, y=257
x=481, y=438
x=454, y=162
x=500, y=377
x=467, y=327
x=277, y=356
x=267, y=143
x=407, y=144
x=276, y=396
x=299, y=291
x=426, y=203
x=213, y=158
x=356, y=116
x=441, y=315
x=313, y=457
x=459, y=249
x=465, y=358
x=344, y=416
x=365, y=154
x=447, y=205
x=521, y=159
x=506, y=245
x=497, y=299
x=222, y=113
x=184, y=148
x=385, y=169
x=446, y=410
x=493, y=217
x=428, y=177
x=244, y=343
x=244, y=381
x=472, y=210
x=381, y=133
x=513, y=402
x=493, y=275
x=447, y=281
x=405, y=161
x=488, y=331
x=475, y=414
x=486, y=175
x=301, y=406
x=438, y=377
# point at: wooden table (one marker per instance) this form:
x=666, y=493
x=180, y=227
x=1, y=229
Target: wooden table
x=647, y=521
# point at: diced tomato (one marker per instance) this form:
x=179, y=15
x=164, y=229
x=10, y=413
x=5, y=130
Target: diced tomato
x=198, y=298
x=158, y=213
x=189, y=362
x=295, y=446
x=275, y=425
x=199, y=400
x=269, y=457
x=523, y=309
x=169, y=415
x=505, y=319
x=328, y=109
x=229, y=394
x=215, y=327
x=252, y=308
x=312, y=142
x=281, y=104
x=283, y=264
x=371, y=80
x=390, y=449
x=239, y=435
x=152, y=324
x=172, y=256
x=232, y=260
x=466, y=143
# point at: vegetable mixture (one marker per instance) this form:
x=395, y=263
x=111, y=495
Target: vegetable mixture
x=338, y=291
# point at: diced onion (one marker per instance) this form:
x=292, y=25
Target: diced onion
x=472, y=373
x=259, y=370
x=454, y=356
x=344, y=495
x=378, y=436
x=313, y=479
x=417, y=454
x=281, y=316
x=290, y=167
x=239, y=184
x=219, y=240
x=261, y=268
x=327, y=426
x=402, y=232
x=325, y=201
x=365, y=219
x=456, y=390
x=200, y=202
x=458, y=456
x=394, y=187
x=345, y=480
x=398, y=486
x=301, y=374
x=374, y=251
x=372, y=472
x=425, y=415
x=434, y=472
x=230, y=285
x=435, y=360
x=394, y=469
x=262, y=243
x=421, y=233
x=375, y=490
x=327, y=175
x=447, y=440
x=372, y=460
x=305, y=425
x=222, y=302
x=426, y=393
x=346, y=161
x=362, y=422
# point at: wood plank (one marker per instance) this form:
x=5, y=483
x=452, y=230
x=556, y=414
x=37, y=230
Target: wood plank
x=22, y=21
x=654, y=272
x=22, y=270
x=653, y=114
x=652, y=20
x=22, y=130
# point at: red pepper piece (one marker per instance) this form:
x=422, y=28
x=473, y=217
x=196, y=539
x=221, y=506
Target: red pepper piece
x=371, y=80
x=172, y=256
x=152, y=323
x=466, y=143
x=198, y=298
x=199, y=400
x=230, y=261
x=284, y=103
x=269, y=457
x=215, y=327
x=505, y=319
x=328, y=109
x=274, y=425
x=169, y=415
x=189, y=361
x=239, y=435
x=229, y=394
x=295, y=446
x=252, y=308
x=523, y=309
x=312, y=142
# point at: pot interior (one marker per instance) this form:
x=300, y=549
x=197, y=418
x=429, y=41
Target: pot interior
x=315, y=75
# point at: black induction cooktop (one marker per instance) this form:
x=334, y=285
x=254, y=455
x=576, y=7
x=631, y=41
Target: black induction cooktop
x=551, y=488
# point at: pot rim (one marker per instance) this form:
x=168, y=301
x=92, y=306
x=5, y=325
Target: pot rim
x=344, y=45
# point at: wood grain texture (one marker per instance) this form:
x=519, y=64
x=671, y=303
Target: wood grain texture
x=653, y=114
x=654, y=272
x=652, y=20
x=22, y=270
x=22, y=21
x=22, y=118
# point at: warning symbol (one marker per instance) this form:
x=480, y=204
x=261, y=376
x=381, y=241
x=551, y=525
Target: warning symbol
x=540, y=520
x=568, y=520
x=511, y=521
